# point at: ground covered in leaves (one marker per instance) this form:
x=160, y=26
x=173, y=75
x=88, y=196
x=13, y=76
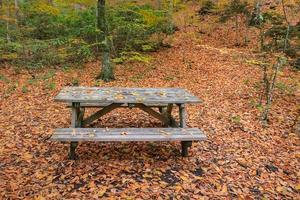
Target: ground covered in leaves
x=240, y=159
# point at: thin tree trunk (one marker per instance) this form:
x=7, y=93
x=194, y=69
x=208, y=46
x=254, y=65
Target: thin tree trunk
x=7, y=22
x=265, y=84
x=236, y=30
x=170, y=13
x=158, y=2
x=288, y=27
x=17, y=11
x=261, y=32
x=270, y=90
x=107, y=73
x=97, y=32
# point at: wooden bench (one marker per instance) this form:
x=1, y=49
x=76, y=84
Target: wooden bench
x=74, y=135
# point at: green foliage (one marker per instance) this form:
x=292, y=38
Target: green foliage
x=276, y=33
x=4, y=78
x=59, y=34
x=131, y=56
x=132, y=26
x=236, y=119
x=75, y=82
x=51, y=86
x=24, y=89
x=208, y=7
x=234, y=8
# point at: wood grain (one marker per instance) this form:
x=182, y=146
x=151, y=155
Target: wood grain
x=128, y=134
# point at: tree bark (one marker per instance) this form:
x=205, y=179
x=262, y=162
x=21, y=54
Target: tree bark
x=286, y=40
x=7, y=22
x=270, y=90
x=17, y=11
x=158, y=2
x=170, y=13
x=107, y=73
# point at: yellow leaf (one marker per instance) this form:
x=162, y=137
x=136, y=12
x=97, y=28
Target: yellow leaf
x=279, y=189
x=102, y=191
x=92, y=185
x=224, y=189
x=27, y=156
x=40, y=175
x=39, y=198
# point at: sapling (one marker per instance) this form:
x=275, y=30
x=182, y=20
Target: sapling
x=269, y=81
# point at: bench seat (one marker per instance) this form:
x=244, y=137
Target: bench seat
x=127, y=134
x=75, y=135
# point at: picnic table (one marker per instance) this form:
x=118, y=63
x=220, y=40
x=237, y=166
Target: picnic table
x=108, y=99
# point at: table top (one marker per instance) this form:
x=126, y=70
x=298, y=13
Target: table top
x=126, y=95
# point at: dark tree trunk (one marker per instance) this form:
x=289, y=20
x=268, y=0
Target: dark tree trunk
x=107, y=73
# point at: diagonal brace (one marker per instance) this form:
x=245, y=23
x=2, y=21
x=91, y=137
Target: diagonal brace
x=153, y=113
x=100, y=113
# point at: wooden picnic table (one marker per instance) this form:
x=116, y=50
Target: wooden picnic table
x=108, y=99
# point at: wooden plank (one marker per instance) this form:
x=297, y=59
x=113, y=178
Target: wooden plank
x=96, y=105
x=128, y=134
x=153, y=113
x=126, y=95
x=129, y=130
x=100, y=113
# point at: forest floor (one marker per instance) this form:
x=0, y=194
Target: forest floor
x=240, y=159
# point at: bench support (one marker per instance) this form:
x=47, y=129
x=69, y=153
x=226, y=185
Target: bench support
x=77, y=117
x=153, y=113
x=100, y=113
x=72, y=154
x=164, y=115
x=182, y=123
x=185, y=147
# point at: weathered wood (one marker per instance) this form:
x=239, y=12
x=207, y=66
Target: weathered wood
x=81, y=116
x=184, y=148
x=153, y=113
x=75, y=111
x=126, y=95
x=128, y=134
x=97, y=105
x=172, y=121
x=75, y=123
x=169, y=109
x=182, y=123
x=182, y=116
x=100, y=113
x=72, y=153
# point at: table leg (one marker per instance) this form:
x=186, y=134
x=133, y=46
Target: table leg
x=182, y=123
x=76, y=122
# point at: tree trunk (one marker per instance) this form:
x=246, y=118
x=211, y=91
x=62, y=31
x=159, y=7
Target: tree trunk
x=17, y=11
x=158, y=2
x=270, y=90
x=237, y=30
x=170, y=13
x=7, y=22
x=286, y=40
x=107, y=73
